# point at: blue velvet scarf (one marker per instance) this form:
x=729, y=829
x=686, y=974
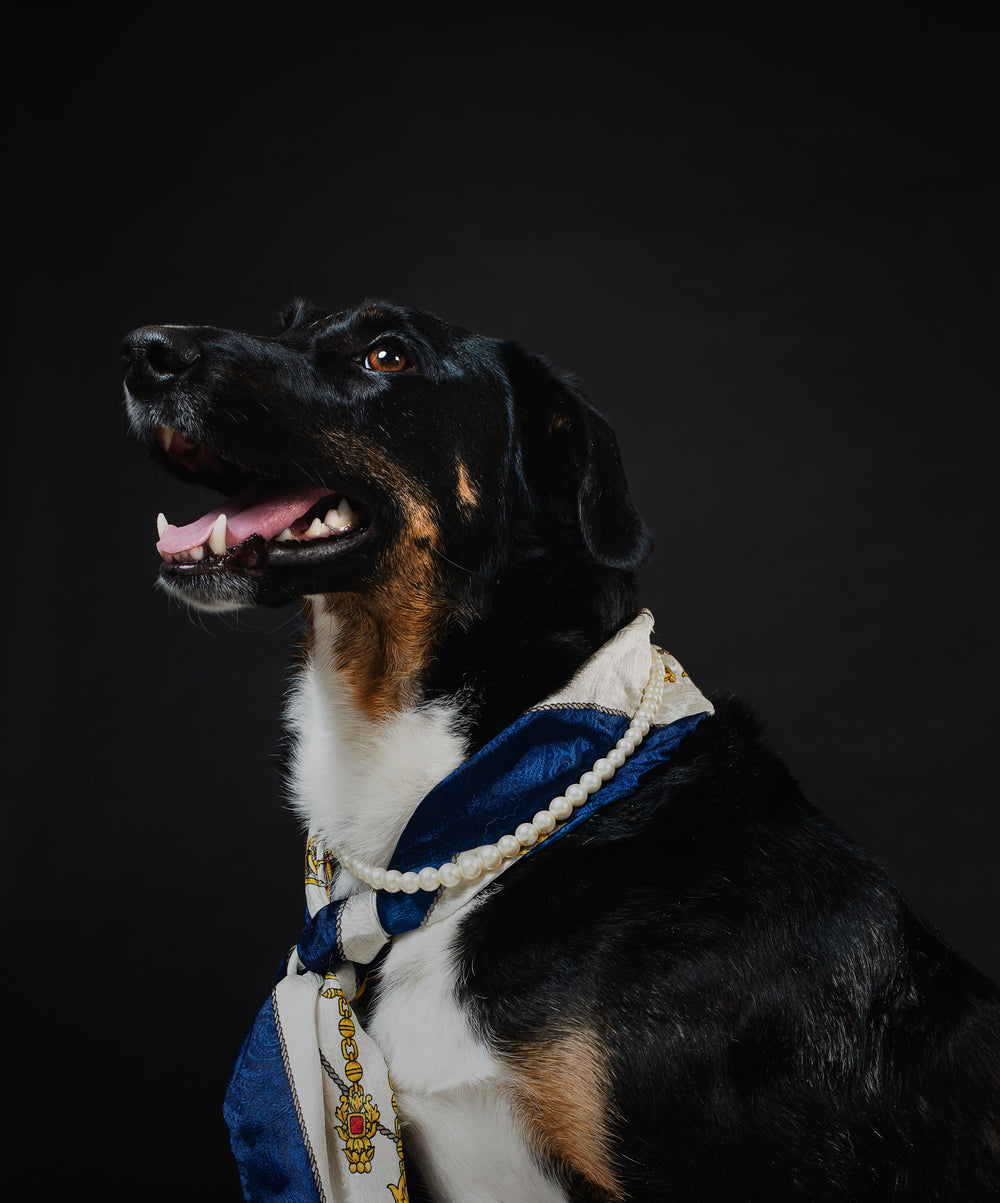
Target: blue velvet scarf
x=285, y=1082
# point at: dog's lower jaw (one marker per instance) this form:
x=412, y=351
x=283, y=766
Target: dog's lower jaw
x=213, y=594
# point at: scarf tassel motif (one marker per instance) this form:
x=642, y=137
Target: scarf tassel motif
x=310, y=1105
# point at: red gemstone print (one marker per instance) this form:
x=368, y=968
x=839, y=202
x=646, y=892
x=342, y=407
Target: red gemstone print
x=356, y=1125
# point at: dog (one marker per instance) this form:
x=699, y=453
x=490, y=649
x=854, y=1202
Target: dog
x=701, y=991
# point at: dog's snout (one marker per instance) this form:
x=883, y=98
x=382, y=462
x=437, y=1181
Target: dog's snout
x=153, y=356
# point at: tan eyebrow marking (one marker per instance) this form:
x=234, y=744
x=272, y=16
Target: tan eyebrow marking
x=467, y=493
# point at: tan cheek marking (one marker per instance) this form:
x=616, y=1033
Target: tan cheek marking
x=560, y=1089
x=467, y=493
x=389, y=630
x=388, y=633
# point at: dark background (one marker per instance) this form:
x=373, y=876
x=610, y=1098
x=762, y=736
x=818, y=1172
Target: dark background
x=764, y=248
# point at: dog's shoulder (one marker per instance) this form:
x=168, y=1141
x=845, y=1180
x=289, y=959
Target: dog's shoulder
x=719, y=846
x=729, y=957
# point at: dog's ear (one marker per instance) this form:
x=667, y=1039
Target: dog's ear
x=571, y=461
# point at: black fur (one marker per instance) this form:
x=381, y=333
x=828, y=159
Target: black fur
x=778, y=1024
x=531, y=582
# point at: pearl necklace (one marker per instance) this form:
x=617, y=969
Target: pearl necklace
x=471, y=864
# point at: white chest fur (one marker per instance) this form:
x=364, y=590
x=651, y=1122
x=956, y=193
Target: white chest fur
x=452, y=1092
x=356, y=780
x=356, y=783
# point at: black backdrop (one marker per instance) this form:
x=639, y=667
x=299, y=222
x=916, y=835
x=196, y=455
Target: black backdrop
x=764, y=249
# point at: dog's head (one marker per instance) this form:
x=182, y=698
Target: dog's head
x=373, y=453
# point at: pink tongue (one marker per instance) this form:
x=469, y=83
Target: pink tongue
x=251, y=512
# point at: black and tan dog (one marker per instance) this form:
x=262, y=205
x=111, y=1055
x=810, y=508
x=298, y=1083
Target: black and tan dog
x=703, y=992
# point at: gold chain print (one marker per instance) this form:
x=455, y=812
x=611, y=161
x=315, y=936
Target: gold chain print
x=357, y=1114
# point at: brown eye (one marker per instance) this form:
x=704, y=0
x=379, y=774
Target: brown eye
x=386, y=359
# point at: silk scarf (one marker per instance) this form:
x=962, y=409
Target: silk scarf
x=310, y=1104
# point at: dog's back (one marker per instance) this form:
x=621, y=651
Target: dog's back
x=761, y=1013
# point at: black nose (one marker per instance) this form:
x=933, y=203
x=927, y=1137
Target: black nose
x=154, y=356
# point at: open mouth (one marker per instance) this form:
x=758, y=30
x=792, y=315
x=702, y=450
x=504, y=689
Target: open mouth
x=266, y=523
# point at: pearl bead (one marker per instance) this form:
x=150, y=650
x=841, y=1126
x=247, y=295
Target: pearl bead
x=509, y=846
x=392, y=879
x=429, y=878
x=640, y=725
x=591, y=782
x=409, y=883
x=490, y=857
x=470, y=866
x=562, y=807
x=544, y=822
x=626, y=744
x=526, y=835
x=449, y=874
x=604, y=768
x=577, y=794
x=615, y=757
x=376, y=879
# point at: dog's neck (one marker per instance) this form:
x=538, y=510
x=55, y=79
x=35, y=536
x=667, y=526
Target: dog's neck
x=357, y=778
x=384, y=709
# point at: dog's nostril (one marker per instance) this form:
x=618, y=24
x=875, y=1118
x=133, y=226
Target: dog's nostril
x=169, y=359
x=158, y=354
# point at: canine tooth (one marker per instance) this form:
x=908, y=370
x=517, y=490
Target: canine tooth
x=197, y=554
x=316, y=530
x=342, y=518
x=285, y=535
x=161, y=524
x=217, y=539
x=166, y=436
x=336, y=520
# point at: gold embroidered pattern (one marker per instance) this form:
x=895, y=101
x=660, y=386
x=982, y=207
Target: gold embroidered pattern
x=668, y=673
x=317, y=869
x=398, y=1190
x=357, y=1114
x=358, y=1118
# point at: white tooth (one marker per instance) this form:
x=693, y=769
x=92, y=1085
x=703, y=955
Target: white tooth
x=182, y=557
x=217, y=539
x=337, y=520
x=342, y=518
x=166, y=436
x=197, y=554
x=166, y=557
x=285, y=535
x=161, y=524
x=316, y=530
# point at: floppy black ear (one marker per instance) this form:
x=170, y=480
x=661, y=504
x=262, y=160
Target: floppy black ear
x=571, y=461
